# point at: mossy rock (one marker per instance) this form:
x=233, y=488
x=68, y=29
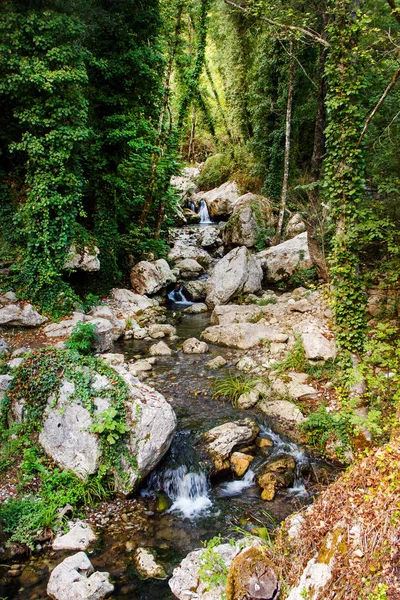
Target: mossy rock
x=252, y=575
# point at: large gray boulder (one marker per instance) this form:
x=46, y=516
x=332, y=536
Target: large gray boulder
x=20, y=315
x=221, y=200
x=75, y=579
x=237, y=313
x=85, y=260
x=195, y=290
x=182, y=251
x=67, y=436
x=251, y=217
x=189, y=268
x=238, y=272
x=281, y=261
x=242, y=335
x=150, y=277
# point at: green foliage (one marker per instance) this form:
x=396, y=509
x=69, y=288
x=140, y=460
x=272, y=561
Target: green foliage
x=217, y=170
x=138, y=244
x=213, y=570
x=266, y=301
x=321, y=424
x=107, y=424
x=295, y=360
x=82, y=338
x=233, y=386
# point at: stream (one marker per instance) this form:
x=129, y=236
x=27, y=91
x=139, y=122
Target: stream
x=195, y=508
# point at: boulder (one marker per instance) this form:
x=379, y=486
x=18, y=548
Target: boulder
x=248, y=400
x=196, y=309
x=221, y=440
x=277, y=474
x=79, y=537
x=238, y=272
x=210, y=237
x=189, y=268
x=216, y=363
x=241, y=335
x=181, y=251
x=237, y=313
x=4, y=347
x=160, y=349
x=150, y=277
x=64, y=328
x=295, y=226
x=282, y=409
x=131, y=301
x=195, y=290
x=252, y=575
x=241, y=462
x=251, y=216
x=221, y=200
x=194, y=346
x=85, y=259
x=67, y=430
x=281, y=261
x=75, y=579
x=20, y=316
x=292, y=385
x=191, y=216
x=318, y=347
x=139, y=367
x=8, y=298
x=147, y=566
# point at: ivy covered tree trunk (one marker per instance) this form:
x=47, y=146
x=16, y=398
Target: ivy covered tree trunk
x=344, y=171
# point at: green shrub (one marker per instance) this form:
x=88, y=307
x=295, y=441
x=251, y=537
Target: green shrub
x=82, y=338
x=217, y=170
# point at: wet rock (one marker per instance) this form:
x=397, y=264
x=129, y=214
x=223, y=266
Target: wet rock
x=75, y=579
x=160, y=349
x=195, y=290
x=150, y=277
x=196, y=309
x=238, y=272
x=189, y=268
x=147, y=566
x=264, y=442
x=85, y=260
x=191, y=216
x=317, y=347
x=275, y=475
x=252, y=576
x=282, y=409
x=20, y=315
x=241, y=335
x=281, y=261
x=221, y=440
x=295, y=226
x=79, y=537
x=241, y=462
x=221, y=200
x=251, y=215
x=139, y=367
x=248, y=400
x=194, y=346
x=216, y=363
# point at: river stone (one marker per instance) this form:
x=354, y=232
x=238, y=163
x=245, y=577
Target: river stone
x=294, y=226
x=277, y=474
x=238, y=272
x=293, y=385
x=189, y=268
x=161, y=328
x=75, y=579
x=160, y=349
x=251, y=215
x=85, y=260
x=241, y=462
x=281, y=261
x=216, y=363
x=194, y=346
x=210, y=237
x=221, y=440
x=79, y=537
x=235, y=313
x=282, y=409
x=147, y=566
x=140, y=366
x=248, y=400
x=135, y=302
x=150, y=277
x=221, y=200
x=317, y=347
x=240, y=335
x=196, y=309
x=195, y=290
x=181, y=252
x=20, y=316
x=114, y=359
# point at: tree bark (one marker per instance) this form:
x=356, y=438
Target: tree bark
x=289, y=108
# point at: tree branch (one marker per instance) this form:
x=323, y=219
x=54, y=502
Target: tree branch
x=395, y=10
x=302, y=30
x=392, y=83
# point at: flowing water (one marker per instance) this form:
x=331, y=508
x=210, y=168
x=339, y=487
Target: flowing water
x=203, y=212
x=179, y=506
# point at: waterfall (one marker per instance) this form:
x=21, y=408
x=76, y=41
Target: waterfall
x=203, y=212
x=178, y=297
x=192, y=206
x=234, y=488
x=187, y=490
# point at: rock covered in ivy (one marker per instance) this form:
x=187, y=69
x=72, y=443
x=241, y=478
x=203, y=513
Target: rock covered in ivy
x=150, y=277
x=79, y=537
x=86, y=259
x=280, y=262
x=76, y=579
x=93, y=415
x=238, y=272
x=251, y=218
x=20, y=315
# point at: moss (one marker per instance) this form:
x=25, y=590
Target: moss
x=246, y=570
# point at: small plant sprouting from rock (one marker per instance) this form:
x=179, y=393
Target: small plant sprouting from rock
x=82, y=338
x=213, y=570
x=233, y=386
x=108, y=424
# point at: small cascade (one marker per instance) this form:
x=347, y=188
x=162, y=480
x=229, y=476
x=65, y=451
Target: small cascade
x=178, y=297
x=236, y=487
x=203, y=212
x=189, y=491
x=192, y=206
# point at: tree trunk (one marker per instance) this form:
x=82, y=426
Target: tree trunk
x=278, y=235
